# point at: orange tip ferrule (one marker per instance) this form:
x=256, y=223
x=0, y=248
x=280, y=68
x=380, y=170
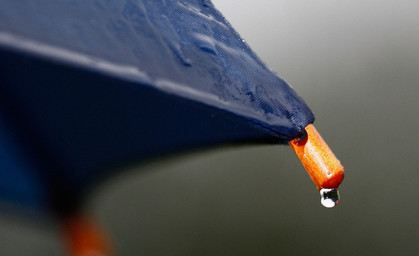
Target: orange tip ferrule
x=321, y=164
x=84, y=237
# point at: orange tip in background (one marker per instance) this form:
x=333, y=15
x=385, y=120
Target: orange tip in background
x=321, y=164
x=85, y=237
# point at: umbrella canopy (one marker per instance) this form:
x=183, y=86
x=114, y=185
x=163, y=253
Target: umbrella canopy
x=86, y=86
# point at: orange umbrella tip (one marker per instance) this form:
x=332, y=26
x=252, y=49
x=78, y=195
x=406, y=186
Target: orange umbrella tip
x=85, y=238
x=321, y=164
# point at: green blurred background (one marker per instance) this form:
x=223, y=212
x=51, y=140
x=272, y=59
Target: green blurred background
x=356, y=64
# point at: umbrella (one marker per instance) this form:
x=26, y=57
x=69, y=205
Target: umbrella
x=87, y=86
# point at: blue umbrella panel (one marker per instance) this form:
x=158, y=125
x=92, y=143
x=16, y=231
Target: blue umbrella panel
x=86, y=86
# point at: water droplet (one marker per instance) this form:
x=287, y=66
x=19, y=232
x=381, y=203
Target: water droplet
x=329, y=197
x=205, y=44
x=206, y=3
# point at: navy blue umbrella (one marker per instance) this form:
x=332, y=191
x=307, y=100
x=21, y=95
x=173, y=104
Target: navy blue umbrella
x=87, y=86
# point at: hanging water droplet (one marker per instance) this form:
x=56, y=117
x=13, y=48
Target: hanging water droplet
x=329, y=197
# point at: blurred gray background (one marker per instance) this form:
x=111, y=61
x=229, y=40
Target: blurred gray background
x=356, y=64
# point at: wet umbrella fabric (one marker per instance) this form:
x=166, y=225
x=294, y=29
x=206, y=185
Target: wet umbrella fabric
x=88, y=86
